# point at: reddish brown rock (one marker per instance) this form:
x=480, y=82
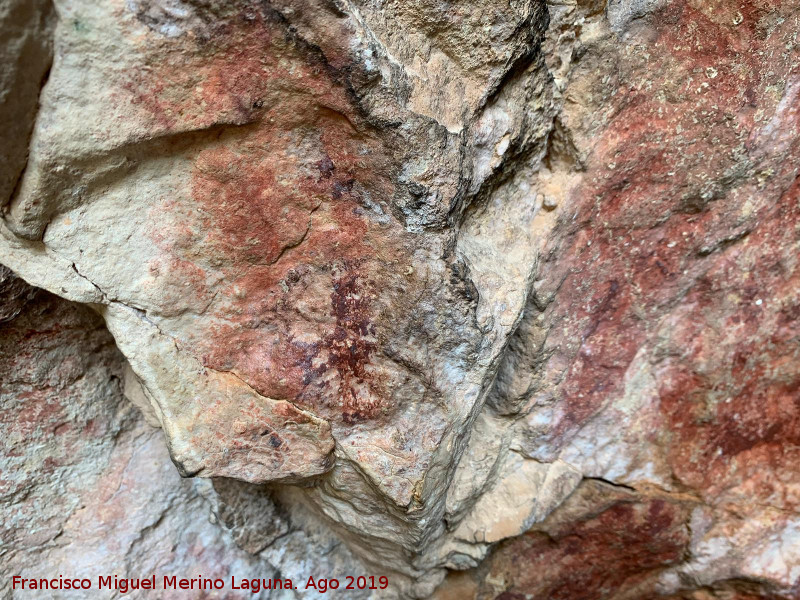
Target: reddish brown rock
x=659, y=338
x=289, y=215
x=601, y=543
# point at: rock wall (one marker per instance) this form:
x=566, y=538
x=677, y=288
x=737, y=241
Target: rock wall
x=87, y=487
x=494, y=298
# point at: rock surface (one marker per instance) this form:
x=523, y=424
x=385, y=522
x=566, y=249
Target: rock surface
x=87, y=488
x=496, y=298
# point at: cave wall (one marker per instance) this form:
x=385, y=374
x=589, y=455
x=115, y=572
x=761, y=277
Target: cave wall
x=495, y=298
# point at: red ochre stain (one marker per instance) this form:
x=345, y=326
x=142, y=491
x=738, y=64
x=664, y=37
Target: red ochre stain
x=595, y=557
x=276, y=215
x=660, y=181
x=733, y=401
x=284, y=234
x=40, y=409
x=347, y=351
x=203, y=78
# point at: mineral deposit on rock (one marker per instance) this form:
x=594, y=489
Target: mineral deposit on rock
x=495, y=298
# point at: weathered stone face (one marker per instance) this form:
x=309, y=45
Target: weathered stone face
x=451, y=278
x=87, y=488
x=234, y=190
x=657, y=349
x=600, y=542
x=286, y=215
x=26, y=53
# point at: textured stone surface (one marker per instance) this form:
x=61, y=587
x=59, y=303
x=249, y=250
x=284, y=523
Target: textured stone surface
x=240, y=193
x=26, y=54
x=294, y=247
x=600, y=543
x=659, y=345
x=500, y=287
x=86, y=488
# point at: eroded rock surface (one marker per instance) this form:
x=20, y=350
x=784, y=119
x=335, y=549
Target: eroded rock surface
x=416, y=283
x=87, y=488
x=658, y=348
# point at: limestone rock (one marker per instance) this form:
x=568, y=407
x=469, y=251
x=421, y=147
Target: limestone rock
x=26, y=52
x=292, y=245
x=655, y=347
x=87, y=488
x=600, y=543
x=410, y=288
x=234, y=195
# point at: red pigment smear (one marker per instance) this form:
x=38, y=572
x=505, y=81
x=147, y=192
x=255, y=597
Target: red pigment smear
x=733, y=400
x=647, y=185
x=597, y=557
x=347, y=351
x=276, y=210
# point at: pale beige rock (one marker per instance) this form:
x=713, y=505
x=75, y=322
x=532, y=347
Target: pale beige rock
x=524, y=491
x=331, y=304
x=132, y=388
x=87, y=487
